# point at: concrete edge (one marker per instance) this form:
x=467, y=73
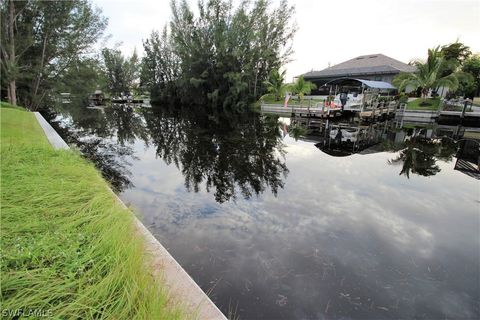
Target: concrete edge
x=179, y=284
x=55, y=140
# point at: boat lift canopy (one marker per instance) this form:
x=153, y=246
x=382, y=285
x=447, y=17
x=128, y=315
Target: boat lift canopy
x=381, y=85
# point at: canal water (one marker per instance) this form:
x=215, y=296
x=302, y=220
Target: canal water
x=280, y=219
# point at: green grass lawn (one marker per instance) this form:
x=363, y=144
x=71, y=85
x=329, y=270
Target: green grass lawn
x=415, y=104
x=10, y=106
x=20, y=128
x=69, y=250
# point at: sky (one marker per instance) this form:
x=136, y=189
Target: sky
x=328, y=32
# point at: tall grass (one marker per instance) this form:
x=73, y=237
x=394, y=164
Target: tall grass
x=67, y=246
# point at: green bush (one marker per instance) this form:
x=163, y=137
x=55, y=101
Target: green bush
x=403, y=98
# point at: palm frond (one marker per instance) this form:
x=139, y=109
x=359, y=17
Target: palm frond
x=450, y=82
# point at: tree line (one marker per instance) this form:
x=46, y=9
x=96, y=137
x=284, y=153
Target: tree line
x=41, y=42
x=450, y=67
x=49, y=47
x=220, y=57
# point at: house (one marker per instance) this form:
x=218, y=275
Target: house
x=377, y=67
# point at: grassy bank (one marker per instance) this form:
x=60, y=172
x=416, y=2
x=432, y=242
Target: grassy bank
x=416, y=104
x=68, y=248
x=9, y=106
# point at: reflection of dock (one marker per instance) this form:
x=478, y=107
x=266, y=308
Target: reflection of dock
x=102, y=108
x=471, y=118
x=125, y=101
x=113, y=104
x=297, y=111
x=474, y=114
x=468, y=156
x=469, y=168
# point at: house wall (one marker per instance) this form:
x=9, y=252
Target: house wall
x=442, y=92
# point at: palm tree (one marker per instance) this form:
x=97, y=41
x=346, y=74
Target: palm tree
x=302, y=87
x=297, y=130
x=428, y=75
x=275, y=83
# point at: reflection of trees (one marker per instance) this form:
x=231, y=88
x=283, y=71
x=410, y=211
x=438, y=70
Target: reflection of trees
x=296, y=131
x=419, y=156
x=110, y=159
x=119, y=121
x=126, y=122
x=446, y=149
x=94, y=131
x=91, y=121
x=228, y=151
x=108, y=156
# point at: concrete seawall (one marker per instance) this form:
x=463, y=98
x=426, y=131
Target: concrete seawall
x=180, y=286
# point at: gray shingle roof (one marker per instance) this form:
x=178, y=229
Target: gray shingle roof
x=368, y=64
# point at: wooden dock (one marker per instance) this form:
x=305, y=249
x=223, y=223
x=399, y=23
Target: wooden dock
x=324, y=112
x=379, y=112
x=297, y=111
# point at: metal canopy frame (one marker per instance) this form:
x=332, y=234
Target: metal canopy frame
x=381, y=85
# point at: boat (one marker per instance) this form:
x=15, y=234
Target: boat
x=345, y=134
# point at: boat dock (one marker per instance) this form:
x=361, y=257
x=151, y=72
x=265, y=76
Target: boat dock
x=300, y=111
x=324, y=112
x=378, y=112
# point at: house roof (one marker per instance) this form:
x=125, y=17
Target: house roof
x=362, y=65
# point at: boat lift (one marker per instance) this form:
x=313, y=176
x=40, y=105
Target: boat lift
x=370, y=99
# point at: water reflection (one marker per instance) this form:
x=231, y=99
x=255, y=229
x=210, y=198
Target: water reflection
x=418, y=148
x=468, y=160
x=126, y=123
x=344, y=236
x=242, y=152
x=90, y=133
x=418, y=157
x=229, y=153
